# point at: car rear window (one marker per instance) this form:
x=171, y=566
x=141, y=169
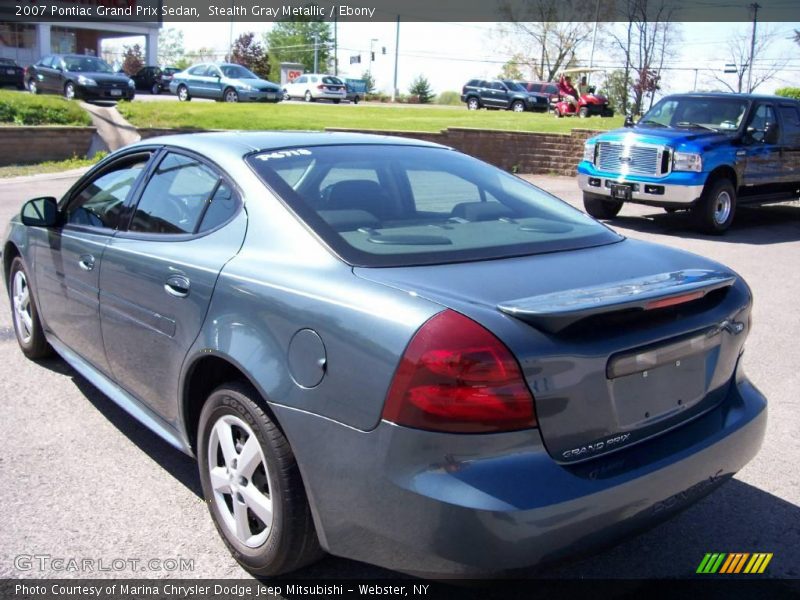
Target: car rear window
x=391, y=205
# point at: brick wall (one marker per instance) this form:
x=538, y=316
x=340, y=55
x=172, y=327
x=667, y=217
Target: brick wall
x=21, y=145
x=519, y=152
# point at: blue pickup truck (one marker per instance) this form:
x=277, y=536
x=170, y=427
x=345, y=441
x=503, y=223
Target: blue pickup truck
x=706, y=153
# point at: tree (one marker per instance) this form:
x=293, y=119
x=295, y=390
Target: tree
x=738, y=53
x=511, y=69
x=650, y=36
x=421, y=88
x=547, y=34
x=132, y=59
x=250, y=53
x=170, y=47
x=293, y=41
x=369, y=82
x=615, y=90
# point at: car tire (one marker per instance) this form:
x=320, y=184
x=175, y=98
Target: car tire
x=518, y=106
x=286, y=95
x=337, y=101
x=155, y=89
x=269, y=482
x=21, y=87
x=715, y=210
x=25, y=314
x=583, y=112
x=230, y=95
x=308, y=97
x=355, y=100
x=183, y=94
x=33, y=87
x=601, y=207
x=473, y=103
x=69, y=90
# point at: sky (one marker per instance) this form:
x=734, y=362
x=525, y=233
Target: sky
x=449, y=54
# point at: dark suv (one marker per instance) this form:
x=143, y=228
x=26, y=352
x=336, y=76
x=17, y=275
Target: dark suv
x=505, y=94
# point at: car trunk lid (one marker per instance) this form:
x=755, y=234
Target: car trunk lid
x=617, y=343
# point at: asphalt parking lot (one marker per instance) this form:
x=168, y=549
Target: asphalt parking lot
x=79, y=478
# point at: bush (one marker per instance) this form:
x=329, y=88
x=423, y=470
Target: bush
x=449, y=97
x=26, y=109
x=789, y=92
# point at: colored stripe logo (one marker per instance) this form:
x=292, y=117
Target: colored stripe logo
x=734, y=563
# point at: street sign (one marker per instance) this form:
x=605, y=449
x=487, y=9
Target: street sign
x=730, y=68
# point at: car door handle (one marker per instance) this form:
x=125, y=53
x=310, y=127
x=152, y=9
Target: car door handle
x=178, y=286
x=86, y=262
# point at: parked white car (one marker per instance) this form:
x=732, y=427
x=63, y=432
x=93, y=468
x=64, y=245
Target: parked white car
x=316, y=86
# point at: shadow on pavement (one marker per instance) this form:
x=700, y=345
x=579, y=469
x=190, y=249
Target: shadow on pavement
x=182, y=467
x=737, y=517
x=772, y=224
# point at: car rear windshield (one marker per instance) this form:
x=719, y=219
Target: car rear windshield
x=332, y=80
x=392, y=205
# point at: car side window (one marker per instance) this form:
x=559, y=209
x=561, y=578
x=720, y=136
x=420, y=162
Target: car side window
x=300, y=79
x=175, y=197
x=221, y=207
x=763, y=127
x=791, y=121
x=102, y=202
x=197, y=71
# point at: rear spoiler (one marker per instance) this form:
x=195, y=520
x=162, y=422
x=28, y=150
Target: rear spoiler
x=557, y=311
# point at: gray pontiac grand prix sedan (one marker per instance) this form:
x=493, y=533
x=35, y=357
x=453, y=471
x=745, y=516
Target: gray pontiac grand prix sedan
x=387, y=350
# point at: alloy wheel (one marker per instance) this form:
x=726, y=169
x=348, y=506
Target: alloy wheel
x=21, y=297
x=241, y=481
x=69, y=91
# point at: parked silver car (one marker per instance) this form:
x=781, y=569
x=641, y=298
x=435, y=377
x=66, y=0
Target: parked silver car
x=223, y=82
x=388, y=350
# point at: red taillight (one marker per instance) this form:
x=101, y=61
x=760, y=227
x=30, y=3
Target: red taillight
x=456, y=376
x=320, y=87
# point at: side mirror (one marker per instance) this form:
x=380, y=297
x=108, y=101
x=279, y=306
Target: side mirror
x=628, y=121
x=40, y=212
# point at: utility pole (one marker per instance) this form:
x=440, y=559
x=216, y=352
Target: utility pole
x=335, y=46
x=594, y=40
x=755, y=6
x=316, y=52
x=396, y=53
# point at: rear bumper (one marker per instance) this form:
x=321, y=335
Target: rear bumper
x=461, y=505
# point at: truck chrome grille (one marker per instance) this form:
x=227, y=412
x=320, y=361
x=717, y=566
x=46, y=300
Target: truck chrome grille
x=631, y=159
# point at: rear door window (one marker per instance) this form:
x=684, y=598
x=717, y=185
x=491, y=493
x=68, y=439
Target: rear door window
x=176, y=196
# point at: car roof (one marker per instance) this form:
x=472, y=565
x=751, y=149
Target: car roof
x=730, y=95
x=233, y=144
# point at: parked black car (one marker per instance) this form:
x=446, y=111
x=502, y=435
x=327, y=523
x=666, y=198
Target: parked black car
x=154, y=79
x=78, y=76
x=11, y=73
x=505, y=94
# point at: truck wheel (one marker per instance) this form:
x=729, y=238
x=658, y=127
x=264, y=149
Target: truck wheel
x=714, y=212
x=583, y=112
x=518, y=106
x=600, y=207
x=473, y=104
